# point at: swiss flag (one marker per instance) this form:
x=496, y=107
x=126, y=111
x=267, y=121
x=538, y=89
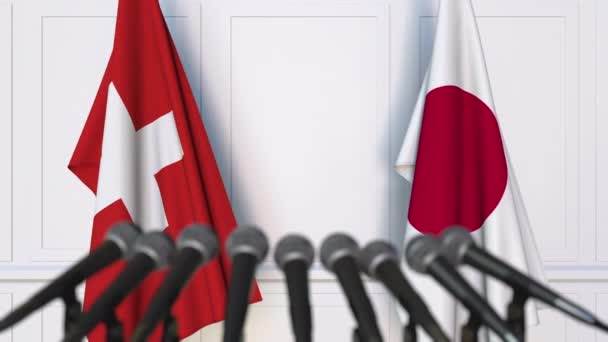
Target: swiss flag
x=455, y=157
x=145, y=154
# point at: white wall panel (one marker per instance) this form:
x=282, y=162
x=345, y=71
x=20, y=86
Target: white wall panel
x=306, y=145
x=556, y=327
x=6, y=115
x=81, y=45
x=10, y=296
x=52, y=322
x=302, y=106
x=553, y=327
x=601, y=129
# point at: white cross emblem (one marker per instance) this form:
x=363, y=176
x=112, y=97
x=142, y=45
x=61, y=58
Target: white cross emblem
x=130, y=159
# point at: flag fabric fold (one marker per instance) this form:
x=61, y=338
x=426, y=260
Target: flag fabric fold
x=454, y=156
x=145, y=154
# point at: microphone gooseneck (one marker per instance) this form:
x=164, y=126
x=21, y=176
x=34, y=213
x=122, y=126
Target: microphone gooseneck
x=247, y=246
x=294, y=254
x=118, y=240
x=423, y=255
x=150, y=251
x=338, y=255
x=196, y=246
x=460, y=248
x=379, y=260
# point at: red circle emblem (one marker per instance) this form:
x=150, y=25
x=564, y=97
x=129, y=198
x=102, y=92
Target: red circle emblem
x=461, y=169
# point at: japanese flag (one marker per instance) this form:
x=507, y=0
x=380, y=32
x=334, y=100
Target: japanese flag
x=455, y=157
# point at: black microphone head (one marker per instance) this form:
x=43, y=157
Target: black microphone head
x=294, y=247
x=455, y=242
x=421, y=251
x=199, y=237
x=247, y=239
x=123, y=234
x=374, y=254
x=335, y=247
x=157, y=245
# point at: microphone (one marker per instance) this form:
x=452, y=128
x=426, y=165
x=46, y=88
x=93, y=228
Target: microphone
x=150, y=251
x=247, y=246
x=338, y=253
x=379, y=260
x=117, y=242
x=423, y=256
x=196, y=246
x=294, y=254
x=459, y=247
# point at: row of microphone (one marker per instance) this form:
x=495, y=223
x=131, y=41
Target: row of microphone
x=438, y=257
x=294, y=254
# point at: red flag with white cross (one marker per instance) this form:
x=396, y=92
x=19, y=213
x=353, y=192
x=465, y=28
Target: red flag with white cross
x=145, y=154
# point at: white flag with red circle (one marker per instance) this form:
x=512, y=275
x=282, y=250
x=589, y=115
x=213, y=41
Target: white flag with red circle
x=455, y=157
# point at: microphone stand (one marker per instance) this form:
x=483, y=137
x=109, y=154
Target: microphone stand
x=470, y=331
x=170, y=333
x=516, y=313
x=114, y=330
x=409, y=332
x=73, y=309
x=357, y=336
